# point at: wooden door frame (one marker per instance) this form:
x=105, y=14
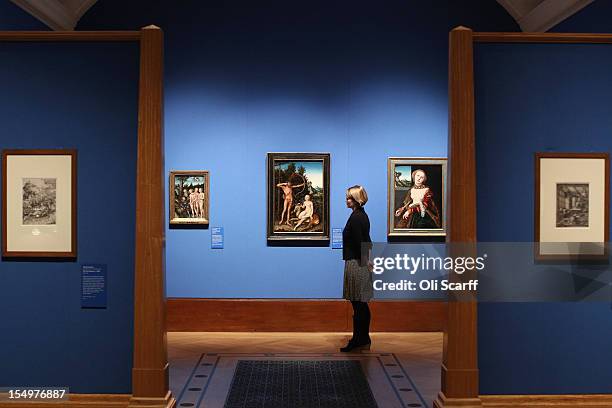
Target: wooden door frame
x=460, y=376
x=150, y=364
x=150, y=368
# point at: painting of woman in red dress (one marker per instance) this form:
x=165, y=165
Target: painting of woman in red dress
x=417, y=196
x=418, y=210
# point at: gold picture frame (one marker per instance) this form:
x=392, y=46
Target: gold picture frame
x=416, y=213
x=189, y=197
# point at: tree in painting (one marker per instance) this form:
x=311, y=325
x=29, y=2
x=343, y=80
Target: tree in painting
x=39, y=201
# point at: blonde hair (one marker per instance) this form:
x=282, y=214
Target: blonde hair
x=357, y=194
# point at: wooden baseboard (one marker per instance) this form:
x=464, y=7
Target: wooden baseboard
x=442, y=401
x=151, y=402
x=540, y=401
x=288, y=315
x=73, y=401
x=488, y=401
x=93, y=401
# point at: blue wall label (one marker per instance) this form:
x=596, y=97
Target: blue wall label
x=93, y=286
x=336, y=238
x=217, y=237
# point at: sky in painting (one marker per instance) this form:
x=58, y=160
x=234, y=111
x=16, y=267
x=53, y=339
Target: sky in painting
x=405, y=170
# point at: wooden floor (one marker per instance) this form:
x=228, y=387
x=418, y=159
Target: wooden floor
x=419, y=355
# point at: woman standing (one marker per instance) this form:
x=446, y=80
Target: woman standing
x=357, y=275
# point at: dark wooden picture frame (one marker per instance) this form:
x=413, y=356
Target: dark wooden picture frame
x=603, y=246
x=435, y=169
x=6, y=196
x=308, y=229
x=175, y=213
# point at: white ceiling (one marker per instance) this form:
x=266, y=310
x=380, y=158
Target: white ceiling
x=531, y=15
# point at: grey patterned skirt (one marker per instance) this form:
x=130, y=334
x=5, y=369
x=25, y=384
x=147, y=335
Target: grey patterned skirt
x=357, y=282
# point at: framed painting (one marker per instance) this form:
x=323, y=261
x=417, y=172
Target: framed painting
x=572, y=206
x=189, y=197
x=39, y=217
x=298, y=196
x=416, y=202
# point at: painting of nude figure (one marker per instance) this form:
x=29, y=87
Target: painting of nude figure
x=189, y=197
x=298, y=196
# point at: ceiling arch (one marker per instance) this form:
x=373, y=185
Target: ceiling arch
x=531, y=15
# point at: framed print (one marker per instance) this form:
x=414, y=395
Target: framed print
x=298, y=196
x=189, y=197
x=572, y=206
x=39, y=203
x=416, y=202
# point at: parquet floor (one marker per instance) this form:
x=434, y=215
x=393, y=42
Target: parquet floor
x=418, y=354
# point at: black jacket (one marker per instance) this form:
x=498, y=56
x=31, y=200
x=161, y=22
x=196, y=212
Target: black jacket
x=356, y=232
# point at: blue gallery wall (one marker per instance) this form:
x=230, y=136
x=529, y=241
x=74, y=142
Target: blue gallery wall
x=13, y=17
x=360, y=80
x=595, y=18
x=81, y=96
x=357, y=80
x=539, y=98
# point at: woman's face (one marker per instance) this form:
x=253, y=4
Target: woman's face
x=419, y=178
x=349, y=202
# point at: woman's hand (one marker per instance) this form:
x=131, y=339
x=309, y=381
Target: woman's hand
x=398, y=212
x=366, y=262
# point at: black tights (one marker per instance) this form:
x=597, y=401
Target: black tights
x=361, y=321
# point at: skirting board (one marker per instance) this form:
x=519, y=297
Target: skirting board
x=299, y=315
x=74, y=401
x=488, y=401
x=93, y=401
x=540, y=401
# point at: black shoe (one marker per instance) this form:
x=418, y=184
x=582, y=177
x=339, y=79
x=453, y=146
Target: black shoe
x=364, y=344
x=349, y=346
x=356, y=346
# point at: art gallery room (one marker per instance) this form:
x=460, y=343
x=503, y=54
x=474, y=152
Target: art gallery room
x=305, y=204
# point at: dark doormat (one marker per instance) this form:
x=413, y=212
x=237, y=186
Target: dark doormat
x=299, y=384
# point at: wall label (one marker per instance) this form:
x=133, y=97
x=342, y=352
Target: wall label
x=93, y=286
x=336, y=238
x=216, y=238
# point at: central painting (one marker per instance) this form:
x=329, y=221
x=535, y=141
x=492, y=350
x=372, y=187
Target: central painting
x=298, y=196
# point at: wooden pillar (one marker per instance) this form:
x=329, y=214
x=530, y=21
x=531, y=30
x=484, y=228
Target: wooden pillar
x=460, y=359
x=150, y=371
